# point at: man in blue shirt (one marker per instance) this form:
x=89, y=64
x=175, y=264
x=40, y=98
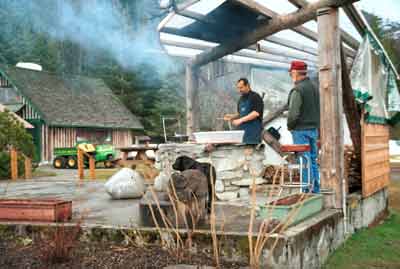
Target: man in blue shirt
x=250, y=113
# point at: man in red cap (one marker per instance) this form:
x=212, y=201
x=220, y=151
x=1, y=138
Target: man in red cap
x=304, y=118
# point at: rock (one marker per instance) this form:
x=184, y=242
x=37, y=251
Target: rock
x=244, y=192
x=224, y=175
x=232, y=188
x=229, y=163
x=256, y=168
x=248, y=181
x=227, y=196
x=219, y=186
x=161, y=182
x=124, y=184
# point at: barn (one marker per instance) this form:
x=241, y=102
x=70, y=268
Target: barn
x=65, y=109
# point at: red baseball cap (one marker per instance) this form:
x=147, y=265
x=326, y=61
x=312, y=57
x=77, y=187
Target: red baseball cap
x=298, y=65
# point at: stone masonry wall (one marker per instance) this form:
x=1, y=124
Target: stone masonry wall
x=236, y=165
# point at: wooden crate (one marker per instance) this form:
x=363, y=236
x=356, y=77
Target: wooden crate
x=44, y=210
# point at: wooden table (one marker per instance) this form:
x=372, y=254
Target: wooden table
x=140, y=149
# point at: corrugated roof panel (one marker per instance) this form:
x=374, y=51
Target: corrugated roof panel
x=205, y=6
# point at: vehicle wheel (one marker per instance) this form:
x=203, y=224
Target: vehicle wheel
x=59, y=162
x=109, y=162
x=72, y=162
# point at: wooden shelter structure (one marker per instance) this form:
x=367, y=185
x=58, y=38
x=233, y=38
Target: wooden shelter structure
x=271, y=34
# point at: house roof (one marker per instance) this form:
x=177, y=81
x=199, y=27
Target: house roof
x=26, y=124
x=70, y=100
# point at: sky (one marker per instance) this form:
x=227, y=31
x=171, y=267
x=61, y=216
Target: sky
x=389, y=9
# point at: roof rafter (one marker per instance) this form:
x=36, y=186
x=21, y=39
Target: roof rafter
x=275, y=25
x=346, y=37
x=251, y=53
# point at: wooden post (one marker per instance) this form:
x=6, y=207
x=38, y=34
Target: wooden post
x=331, y=106
x=92, y=167
x=28, y=168
x=14, y=163
x=81, y=174
x=192, y=100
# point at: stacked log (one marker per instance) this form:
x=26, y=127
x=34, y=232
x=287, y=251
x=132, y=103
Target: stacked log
x=352, y=165
x=352, y=171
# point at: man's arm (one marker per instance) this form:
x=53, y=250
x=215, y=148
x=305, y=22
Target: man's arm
x=229, y=117
x=294, y=109
x=253, y=115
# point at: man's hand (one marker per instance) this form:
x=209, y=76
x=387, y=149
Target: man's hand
x=228, y=117
x=237, y=122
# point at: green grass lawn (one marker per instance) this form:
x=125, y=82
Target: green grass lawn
x=42, y=173
x=377, y=247
x=102, y=174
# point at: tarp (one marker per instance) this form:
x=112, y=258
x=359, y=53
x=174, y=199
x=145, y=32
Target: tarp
x=374, y=83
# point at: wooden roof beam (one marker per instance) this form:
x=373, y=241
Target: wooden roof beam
x=292, y=44
x=283, y=52
x=256, y=7
x=275, y=25
x=355, y=18
x=255, y=48
x=250, y=53
x=346, y=37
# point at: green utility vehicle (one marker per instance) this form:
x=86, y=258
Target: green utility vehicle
x=67, y=157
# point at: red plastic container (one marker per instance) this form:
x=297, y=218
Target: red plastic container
x=35, y=210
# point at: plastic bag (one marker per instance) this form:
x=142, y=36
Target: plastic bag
x=124, y=184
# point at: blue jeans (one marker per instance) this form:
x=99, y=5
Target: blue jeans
x=309, y=137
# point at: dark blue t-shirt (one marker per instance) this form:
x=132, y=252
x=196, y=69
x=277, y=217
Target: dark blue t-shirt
x=248, y=103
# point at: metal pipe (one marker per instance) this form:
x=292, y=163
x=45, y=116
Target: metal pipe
x=165, y=132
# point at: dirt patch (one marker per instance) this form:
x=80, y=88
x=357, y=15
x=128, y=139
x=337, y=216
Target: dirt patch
x=22, y=253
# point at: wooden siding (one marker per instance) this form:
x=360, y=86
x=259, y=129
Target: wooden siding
x=122, y=138
x=375, y=158
x=4, y=82
x=57, y=137
x=54, y=137
x=28, y=112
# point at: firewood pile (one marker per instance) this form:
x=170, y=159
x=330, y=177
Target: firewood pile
x=271, y=170
x=352, y=168
x=352, y=171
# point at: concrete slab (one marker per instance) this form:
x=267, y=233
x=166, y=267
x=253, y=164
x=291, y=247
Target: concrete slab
x=90, y=201
x=94, y=206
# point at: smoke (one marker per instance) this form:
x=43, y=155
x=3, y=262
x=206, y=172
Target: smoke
x=125, y=30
